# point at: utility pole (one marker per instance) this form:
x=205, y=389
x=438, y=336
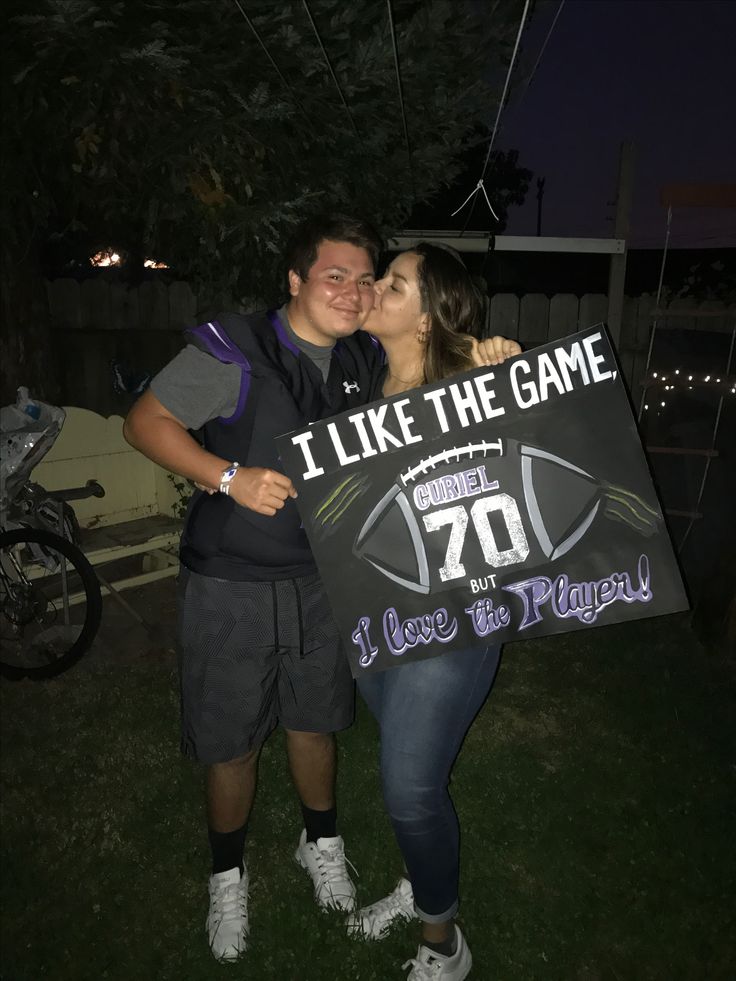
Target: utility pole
x=617, y=268
x=540, y=196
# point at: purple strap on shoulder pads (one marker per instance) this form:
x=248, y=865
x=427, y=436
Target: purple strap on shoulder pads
x=219, y=345
x=281, y=333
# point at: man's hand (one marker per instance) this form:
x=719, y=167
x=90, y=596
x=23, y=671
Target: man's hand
x=494, y=350
x=263, y=491
x=163, y=438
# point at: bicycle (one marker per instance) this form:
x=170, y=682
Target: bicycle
x=50, y=597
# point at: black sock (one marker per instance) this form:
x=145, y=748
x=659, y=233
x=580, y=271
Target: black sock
x=445, y=947
x=227, y=849
x=320, y=824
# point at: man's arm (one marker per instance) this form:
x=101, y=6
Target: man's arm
x=163, y=438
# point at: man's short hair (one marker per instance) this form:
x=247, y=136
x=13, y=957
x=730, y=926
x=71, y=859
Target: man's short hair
x=301, y=251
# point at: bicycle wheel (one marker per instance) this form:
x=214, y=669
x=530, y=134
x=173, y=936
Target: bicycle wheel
x=50, y=603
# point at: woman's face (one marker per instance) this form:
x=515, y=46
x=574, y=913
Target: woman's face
x=397, y=309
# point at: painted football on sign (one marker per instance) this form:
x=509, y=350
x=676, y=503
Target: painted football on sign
x=457, y=516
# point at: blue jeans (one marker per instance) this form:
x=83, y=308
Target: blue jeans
x=424, y=710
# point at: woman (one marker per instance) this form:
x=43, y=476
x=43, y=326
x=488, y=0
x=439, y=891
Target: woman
x=425, y=708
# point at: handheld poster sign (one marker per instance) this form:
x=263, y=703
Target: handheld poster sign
x=503, y=503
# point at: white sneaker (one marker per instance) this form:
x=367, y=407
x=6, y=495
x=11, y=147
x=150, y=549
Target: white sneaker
x=374, y=922
x=227, y=920
x=428, y=965
x=326, y=863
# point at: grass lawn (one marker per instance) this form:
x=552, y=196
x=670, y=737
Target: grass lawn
x=596, y=793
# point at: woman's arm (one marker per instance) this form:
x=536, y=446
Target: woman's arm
x=493, y=350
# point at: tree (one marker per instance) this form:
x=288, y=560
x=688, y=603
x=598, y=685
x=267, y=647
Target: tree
x=201, y=131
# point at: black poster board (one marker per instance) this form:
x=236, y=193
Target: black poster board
x=507, y=502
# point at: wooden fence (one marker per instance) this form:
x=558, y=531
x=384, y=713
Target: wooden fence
x=99, y=306
x=100, y=325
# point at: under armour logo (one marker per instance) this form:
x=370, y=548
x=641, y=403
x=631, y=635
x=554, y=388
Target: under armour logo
x=350, y=387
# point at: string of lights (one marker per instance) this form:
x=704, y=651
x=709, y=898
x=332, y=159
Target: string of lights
x=680, y=379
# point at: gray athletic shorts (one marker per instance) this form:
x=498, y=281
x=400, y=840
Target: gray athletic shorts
x=253, y=655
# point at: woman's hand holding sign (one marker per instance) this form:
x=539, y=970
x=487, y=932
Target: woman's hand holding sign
x=494, y=350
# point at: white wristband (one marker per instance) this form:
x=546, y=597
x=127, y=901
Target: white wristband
x=226, y=477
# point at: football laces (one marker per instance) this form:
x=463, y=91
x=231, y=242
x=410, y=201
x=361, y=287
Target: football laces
x=454, y=454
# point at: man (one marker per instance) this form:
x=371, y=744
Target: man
x=258, y=645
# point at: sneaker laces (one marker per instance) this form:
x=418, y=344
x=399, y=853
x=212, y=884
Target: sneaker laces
x=332, y=862
x=388, y=908
x=423, y=970
x=229, y=902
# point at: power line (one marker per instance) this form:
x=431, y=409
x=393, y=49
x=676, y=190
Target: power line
x=401, y=97
x=541, y=53
x=655, y=322
x=329, y=65
x=479, y=186
x=708, y=459
x=250, y=24
x=644, y=241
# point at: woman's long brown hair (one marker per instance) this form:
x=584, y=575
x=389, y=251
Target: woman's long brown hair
x=455, y=310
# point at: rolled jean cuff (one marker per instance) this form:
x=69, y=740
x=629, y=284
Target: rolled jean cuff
x=437, y=917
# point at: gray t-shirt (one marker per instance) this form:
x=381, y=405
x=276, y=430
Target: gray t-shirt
x=196, y=387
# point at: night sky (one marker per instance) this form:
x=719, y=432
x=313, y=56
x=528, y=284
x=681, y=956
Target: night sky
x=659, y=72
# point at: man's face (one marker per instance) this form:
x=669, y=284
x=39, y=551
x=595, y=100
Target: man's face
x=336, y=297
